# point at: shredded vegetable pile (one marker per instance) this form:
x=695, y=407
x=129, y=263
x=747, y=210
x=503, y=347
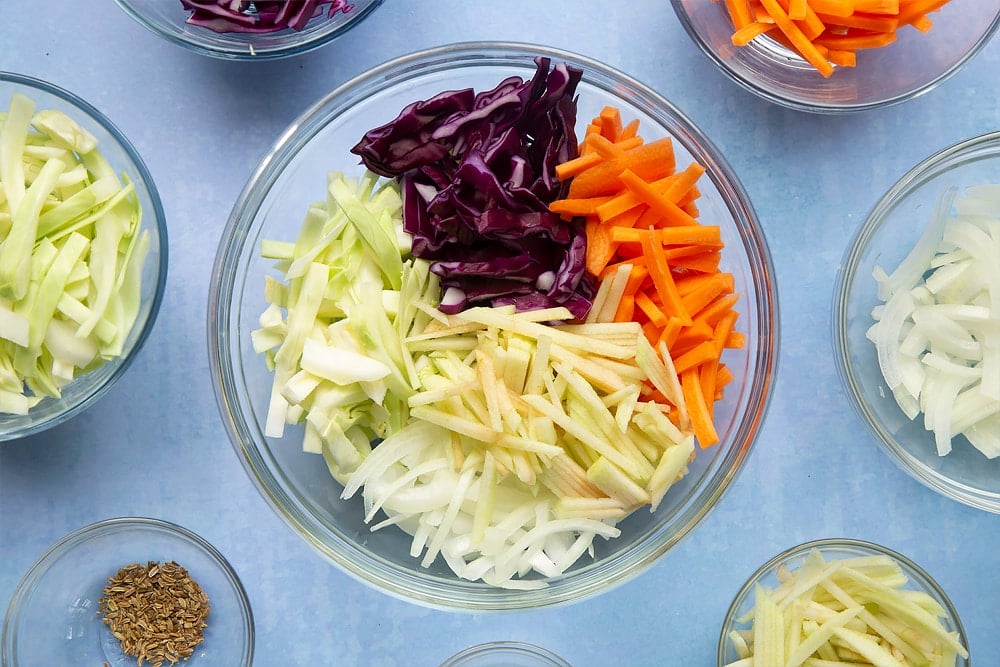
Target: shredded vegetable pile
x=854, y=611
x=937, y=330
x=828, y=33
x=71, y=255
x=259, y=16
x=503, y=432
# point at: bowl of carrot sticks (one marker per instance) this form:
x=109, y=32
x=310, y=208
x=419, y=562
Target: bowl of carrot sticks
x=493, y=327
x=838, y=56
x=916, y=324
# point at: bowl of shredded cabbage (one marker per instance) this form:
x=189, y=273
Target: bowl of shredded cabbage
x=917, y=322
x=842, y=601
x=249, y=30
x=453, y=373
x=83, y=255
x=830, y=56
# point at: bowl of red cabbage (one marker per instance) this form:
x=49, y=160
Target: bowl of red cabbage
x=917, y=322
x=493, y=327
x=249, y=30
x=83, y=255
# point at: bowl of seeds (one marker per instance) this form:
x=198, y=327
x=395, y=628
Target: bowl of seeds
x=129, y=591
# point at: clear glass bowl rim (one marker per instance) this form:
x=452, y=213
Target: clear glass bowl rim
x=368, y=567
x=240, y=50
x=115, y=525
x=815, y=106
x=159, y=219
x=504, y=648
x=927, y=169
x=925, y=581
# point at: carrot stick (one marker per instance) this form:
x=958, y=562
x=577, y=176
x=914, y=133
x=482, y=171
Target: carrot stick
x=663, y=280
x=663, y=207
x=802, y=44
x=706, y=235
x=701, y=419
x=651, y=160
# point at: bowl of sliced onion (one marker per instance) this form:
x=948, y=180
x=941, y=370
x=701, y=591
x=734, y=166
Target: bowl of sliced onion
x=917, y=322
x=248, y=30
x=423, y=372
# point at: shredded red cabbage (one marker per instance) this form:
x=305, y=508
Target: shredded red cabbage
x=259, y=16
x=477, y=174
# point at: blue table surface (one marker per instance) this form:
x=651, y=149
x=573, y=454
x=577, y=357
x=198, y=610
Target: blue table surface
x=202, y=125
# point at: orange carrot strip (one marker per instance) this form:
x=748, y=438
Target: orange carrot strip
x=662, y=279
x=706, y=235
x=689, y=336
x=922, y=23
x=842, y=58
x=749, y=32
x=626, y=308
x=611, y=122
x=706, y=262
x=670, y=333
x=652, y=311
x=739, y=12
x=737, y=340
x=857, y=41
x=697, y=355
x=797, y=10
x=723, y=330
x=697, y=406
x=630, y=130
x=875, y=23
x=706, y=290
x=573, y=207
x=713, y=313
x=600, y=247
x=707, y=374
x=571, y=168
x=662, y=206
x=877, y=6
x=651, y=160
x=802, y=44
x=917, y=8
x=833, y=7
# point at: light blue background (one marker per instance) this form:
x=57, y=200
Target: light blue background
x=155, y=445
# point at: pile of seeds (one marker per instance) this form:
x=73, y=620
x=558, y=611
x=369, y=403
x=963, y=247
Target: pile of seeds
x=156, y=611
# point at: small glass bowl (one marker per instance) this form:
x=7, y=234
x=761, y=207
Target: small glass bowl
x=54, y=618
x=505, y=654
x=298, y=485
x=832, y=549
x=119, y=152
x=886, y=236
x=914, y=64
x=168, y=19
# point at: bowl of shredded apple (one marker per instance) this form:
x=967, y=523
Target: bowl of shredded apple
x=441, y=379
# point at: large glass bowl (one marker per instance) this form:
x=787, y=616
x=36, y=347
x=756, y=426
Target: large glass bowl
x=886, y=236
x=271, y=206
x=54, y=615
x=168, y=19
x=86, y=389
x=832, y=549
x=912, y=65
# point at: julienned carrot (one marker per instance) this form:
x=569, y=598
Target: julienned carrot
x=657, y=264
x=651, y=161
x=828, y=33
